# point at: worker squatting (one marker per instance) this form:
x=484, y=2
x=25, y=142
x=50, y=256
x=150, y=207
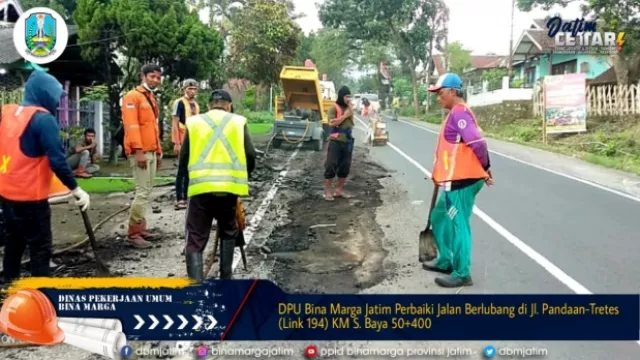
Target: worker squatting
x=105, y=302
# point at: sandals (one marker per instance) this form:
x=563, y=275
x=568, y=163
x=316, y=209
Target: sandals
x=180, y=205
x=328, y=197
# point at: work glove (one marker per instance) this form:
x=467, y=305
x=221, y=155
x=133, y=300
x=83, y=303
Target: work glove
x=82, y=198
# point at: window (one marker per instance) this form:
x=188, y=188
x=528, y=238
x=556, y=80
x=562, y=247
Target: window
x=567, y=67
x=584, y=67
x=529, y=76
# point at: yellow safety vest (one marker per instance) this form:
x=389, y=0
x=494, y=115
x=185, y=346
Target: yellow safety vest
x=187, y=110
x=217, y=161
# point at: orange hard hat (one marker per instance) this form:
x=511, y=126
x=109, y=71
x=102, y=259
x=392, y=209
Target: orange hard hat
x=29, y=316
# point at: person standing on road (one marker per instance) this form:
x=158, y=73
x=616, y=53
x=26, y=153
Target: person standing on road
x=183, y=108
x=341, y=141
x=30, y=154
x=218, y=158
x=140, y=113
x=461, y=168
x=396, y=106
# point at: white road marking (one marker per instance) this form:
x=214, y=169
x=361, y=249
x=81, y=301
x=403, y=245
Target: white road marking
x=551, y=268
x=254, y=223
x=584, y=181
x=526, y=249
x=256, y=219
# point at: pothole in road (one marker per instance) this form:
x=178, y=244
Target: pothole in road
x=332, y=247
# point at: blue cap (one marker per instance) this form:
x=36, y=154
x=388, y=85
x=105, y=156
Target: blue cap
x=447, y=81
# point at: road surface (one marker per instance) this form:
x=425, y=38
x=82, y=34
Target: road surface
x=551, y=224
x=537, y=230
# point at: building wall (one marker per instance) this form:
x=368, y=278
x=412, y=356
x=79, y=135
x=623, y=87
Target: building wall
x=597, y=65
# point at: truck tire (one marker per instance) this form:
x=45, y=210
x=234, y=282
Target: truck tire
x=318, y=144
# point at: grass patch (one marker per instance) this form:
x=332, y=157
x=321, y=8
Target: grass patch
x=105, y=185
x=612, y=142
x=260, y=129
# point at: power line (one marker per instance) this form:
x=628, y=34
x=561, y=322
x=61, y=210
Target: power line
x=104, y=39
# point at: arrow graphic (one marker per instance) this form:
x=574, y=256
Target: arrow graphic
x=184, y=322
x=155, y=322
x=213, y=322
x=140, y=322
x=169, y=322
x=198, y=323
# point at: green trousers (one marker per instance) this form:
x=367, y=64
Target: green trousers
x=451, y=219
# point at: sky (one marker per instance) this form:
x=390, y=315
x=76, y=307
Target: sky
x=482, y=26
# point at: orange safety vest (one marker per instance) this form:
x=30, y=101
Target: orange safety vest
x=22, y=178
x=455, y=161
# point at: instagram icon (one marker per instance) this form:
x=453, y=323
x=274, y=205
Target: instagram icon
x=202, y=351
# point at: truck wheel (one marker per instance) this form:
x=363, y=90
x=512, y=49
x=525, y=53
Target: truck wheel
x=318, y=144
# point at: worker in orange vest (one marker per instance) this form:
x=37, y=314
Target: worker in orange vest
x=183, y=108
x=30, y=154
x=461, y=168
x=140, y=115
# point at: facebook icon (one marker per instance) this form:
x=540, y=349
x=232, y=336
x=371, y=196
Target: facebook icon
x=126, y=351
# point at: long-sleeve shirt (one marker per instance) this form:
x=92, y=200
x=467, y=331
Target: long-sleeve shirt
x=461, y=127
x=249, y=150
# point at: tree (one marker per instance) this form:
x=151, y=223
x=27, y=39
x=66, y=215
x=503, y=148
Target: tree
x=264, y=39
x=403, y=23
x=304, y=49
x=617, y=16
x=62, y=7
x=331, y=54
x=459, y=57
x=162, y=32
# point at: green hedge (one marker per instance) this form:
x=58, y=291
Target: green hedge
x=258, y=117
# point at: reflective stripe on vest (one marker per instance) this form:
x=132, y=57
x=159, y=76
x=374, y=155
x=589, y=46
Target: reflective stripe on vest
x=455, y=161
x=236, y=179
x=187, y=111
x=22, y=178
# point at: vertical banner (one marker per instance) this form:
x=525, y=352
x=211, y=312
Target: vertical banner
x=565, y=103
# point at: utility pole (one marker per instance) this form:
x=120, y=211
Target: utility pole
x=513, y=12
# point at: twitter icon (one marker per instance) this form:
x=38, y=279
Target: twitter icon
x=489, y=352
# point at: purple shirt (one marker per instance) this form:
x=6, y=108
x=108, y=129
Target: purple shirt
x=461, y=127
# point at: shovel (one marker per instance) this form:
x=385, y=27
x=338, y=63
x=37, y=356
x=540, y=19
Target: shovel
x=103, y=270
x=427, y=249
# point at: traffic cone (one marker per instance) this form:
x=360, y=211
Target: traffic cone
x=29, y=316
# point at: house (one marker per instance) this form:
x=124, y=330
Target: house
x=533, y=58
x=472, y=76
x=73, y=72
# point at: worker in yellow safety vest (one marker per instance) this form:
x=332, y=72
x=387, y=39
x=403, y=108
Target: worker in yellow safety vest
x=183, y=108
x=217, y=157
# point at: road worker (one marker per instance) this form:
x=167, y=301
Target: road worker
x=183, y=108
x=140, y=113
x=31, y=153
x=218, y=156
x=461, y=168
x=341, y=141
x=395, y=105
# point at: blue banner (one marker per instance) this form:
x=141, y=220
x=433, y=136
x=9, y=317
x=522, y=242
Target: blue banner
x=259, y=310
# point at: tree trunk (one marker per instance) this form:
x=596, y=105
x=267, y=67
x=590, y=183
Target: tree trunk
x=414, y=85
x=429, y=71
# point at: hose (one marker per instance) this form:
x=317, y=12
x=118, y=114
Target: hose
x=301, y=138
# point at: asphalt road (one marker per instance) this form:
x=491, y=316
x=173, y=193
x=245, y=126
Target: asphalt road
x=535, y=231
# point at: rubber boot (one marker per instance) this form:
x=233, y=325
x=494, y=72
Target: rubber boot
x=227, y=248
x=340, y=187
x=134, y=238
x=328, y=195
x=145, y=234
x=82, y=173
x=195, y=266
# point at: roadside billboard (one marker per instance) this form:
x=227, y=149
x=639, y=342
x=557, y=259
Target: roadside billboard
x=565, y=103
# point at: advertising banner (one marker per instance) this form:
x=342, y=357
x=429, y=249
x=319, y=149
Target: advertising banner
x=565, y=102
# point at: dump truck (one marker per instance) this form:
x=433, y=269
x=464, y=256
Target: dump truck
x=300, y=116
